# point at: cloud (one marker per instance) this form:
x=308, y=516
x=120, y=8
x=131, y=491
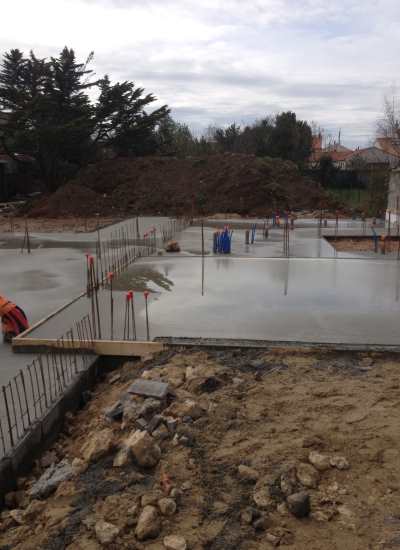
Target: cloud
x=215, y=62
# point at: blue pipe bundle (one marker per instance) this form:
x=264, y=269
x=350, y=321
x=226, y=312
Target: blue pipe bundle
x=253, y=232
x=222, y=241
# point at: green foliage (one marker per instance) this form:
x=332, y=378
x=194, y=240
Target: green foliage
x=52, y=118
x=282, y=137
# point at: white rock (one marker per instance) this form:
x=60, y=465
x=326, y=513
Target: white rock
x=319, y=461
x=98, y=445
x=175, y=542
x=144, y=449
x=105, y=532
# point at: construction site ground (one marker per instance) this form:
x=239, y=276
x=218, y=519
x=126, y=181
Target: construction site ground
x=244, y=431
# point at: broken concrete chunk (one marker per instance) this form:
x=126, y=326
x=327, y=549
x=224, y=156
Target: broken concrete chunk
x=149, y=388
x=51, y=479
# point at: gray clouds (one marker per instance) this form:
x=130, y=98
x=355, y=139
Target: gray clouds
x=218, y=61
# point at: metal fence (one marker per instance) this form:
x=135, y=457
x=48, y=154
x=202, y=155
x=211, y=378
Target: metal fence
x=31, y=393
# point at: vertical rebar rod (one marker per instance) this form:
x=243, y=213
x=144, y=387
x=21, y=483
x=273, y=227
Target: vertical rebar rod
x=26, y=397
x=10, y=433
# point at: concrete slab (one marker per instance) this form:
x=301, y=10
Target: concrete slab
x=149, y=388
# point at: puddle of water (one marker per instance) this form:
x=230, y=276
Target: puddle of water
x=311, y=300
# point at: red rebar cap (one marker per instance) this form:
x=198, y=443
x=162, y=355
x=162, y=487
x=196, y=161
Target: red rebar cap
x=110, y=275
x=129, y=296
x=91, y=260
x=146, y=294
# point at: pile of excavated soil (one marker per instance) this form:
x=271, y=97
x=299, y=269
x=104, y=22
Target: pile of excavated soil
x=252, y=450
x=242, y=184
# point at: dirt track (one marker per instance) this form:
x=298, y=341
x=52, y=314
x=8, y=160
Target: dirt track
x=267, y=411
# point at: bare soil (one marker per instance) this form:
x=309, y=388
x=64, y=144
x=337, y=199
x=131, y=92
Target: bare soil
x=264, y=410
x=214, y=184
x=16, y=224
x=362, y=245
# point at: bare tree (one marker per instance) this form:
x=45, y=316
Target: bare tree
x=389, y=124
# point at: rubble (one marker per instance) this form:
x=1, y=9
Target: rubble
x=247, y=467
x=51, y=479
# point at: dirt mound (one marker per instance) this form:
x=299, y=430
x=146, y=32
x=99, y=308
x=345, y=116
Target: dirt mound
x=71, y=199
x=243, y=184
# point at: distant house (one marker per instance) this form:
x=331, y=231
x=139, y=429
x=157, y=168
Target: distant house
x=388, y=145
x=372, y=158
x=337, y=152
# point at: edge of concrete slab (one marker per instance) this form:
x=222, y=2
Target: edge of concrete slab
x=218, y=343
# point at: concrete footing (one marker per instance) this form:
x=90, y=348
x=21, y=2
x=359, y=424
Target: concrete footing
x=45, y=431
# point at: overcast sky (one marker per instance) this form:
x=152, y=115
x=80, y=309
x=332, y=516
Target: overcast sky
x=215, y=62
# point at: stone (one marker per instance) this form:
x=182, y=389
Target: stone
x=115, y=411
x=262, y=497
x=307, y=475
x=122, y=458
x=171, y=423
x=175, y=542
x=248, y=474
x=98, y=445
x=154, y=423
x=148, y=525
x=149, y=407
x=143, y=448
x=187, y=408
x=299, y=504
x=51, y=479
x=339, y=462
x=161, y=433
x=204, y=384
x=319, y=461
x=167, y=506
x=149, y=388
x=106, y=532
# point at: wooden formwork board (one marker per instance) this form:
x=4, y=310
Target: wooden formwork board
x=117, y=348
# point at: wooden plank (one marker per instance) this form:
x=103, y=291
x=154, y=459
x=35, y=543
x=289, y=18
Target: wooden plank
x=120, y=348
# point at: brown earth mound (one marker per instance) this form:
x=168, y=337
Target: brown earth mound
x=220, y=183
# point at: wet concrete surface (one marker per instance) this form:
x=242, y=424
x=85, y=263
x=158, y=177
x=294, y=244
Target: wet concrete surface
x=310, y=300
x=52, y=275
